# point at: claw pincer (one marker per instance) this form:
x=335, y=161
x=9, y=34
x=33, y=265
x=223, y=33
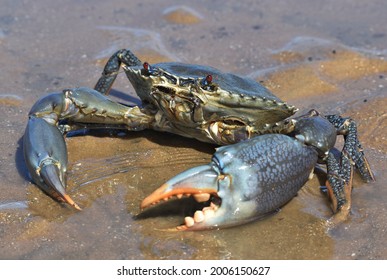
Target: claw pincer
x=45, y=150
x=252, y=179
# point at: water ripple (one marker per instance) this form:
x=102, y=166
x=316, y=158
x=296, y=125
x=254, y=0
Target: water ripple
x=13, y=205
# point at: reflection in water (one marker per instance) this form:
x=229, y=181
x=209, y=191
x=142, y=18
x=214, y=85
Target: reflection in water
x=13, y=205
x=89, y=171
x=182, y=15
x=149, y=44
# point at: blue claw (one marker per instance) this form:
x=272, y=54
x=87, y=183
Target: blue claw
x=252, y=179
x=45, y=154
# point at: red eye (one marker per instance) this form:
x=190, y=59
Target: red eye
x=146, y=65
x=209, y=78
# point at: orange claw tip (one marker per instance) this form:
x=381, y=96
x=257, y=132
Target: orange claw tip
x=165, y=192
x=70, y=201
x=175, y=229
x=154, y=197
x=181, y=228
x=197, y=180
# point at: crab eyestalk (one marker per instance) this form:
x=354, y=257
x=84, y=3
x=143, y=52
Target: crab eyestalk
x=251, y=179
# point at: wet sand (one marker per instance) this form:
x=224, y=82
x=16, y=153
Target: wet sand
x=330, y=57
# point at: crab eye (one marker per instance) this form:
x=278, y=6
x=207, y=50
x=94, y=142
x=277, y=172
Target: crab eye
x=205, y=82
x=146, y=66
x=149, y=69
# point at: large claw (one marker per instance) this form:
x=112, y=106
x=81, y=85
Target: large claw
x=44, y=147
x=250, y=180
x=45, y=154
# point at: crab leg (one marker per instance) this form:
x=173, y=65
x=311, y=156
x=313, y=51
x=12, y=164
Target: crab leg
x=347, y=127
x=112, y=67
x=44, y=146
x=247, y=180
x=339, y=181
x=339, y=185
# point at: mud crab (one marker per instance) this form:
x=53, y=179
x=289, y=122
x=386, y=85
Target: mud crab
x=266, y=155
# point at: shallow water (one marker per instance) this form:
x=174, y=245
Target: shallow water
x=330, y=57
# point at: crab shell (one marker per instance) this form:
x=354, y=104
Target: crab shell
x=204, y=103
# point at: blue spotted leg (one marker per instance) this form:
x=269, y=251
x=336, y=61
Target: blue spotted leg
x=112, y=67
x=340, y=172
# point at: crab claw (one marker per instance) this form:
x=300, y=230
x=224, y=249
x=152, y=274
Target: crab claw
x=201, y=182
x=46, y=158
x=249, y=180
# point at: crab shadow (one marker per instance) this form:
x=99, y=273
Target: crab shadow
x=20, y=164
x=127, y=99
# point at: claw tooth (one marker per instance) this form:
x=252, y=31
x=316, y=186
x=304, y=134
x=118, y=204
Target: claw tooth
x=202, y=197
x=208, y=213
x=189, y=221
x=198, y=216
x=165, y=198
x=180, y=195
